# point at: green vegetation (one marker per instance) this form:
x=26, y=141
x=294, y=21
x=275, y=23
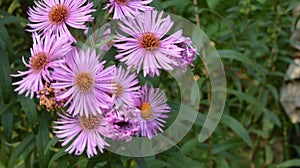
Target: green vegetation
x=253, y=40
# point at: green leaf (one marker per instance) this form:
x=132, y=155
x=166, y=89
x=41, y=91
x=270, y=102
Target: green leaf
x=233, y=143
x=29, y=108
x=158, y=164
x=5, y=78
x=274, y=92
x=141, y=162
x=5, y=151
x=42, y=139
x=237, y=128
x=51, y=143
x=81, y=163
x=18, y=151
x=234, y=55
x=189, y=146
x=247, y=98
x=9, y=19
x=289, y=163
x=221, y=162
x=7, y=121
x=56, y=156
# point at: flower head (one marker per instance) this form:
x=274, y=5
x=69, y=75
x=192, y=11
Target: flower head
x=126, y=87
x=188, y=54
x=153, y=108
x=85, y=83
x=54, y=16
x=123, y=123
x=127, y=7
x=45, y=53
x=84, y=133
x=146, y=44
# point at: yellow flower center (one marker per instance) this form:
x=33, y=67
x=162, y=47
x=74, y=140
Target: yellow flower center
x=91, y=122
x=58, y=14
x=39, y=61
x=84, y=81
x=149, y=41
x=119, y=90
x=146, y=111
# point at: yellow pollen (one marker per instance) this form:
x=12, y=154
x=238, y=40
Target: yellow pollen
x=84, y=81
x=90, y=122
x=122, y=2
x=39, y=61
x=58, y=14
x=149, y=41
x=146, y=111
x=119, y=90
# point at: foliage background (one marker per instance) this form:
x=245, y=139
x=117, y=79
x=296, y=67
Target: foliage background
x=252, y=38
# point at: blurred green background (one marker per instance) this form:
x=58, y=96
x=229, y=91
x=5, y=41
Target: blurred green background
x=253, y=38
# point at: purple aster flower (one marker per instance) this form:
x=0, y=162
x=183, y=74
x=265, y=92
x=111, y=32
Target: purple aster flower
x=86, y=83
x=188, y=54
x=146, y=44
x=153, y=108
x=55, y=15
x=44, y=54
x=127, y=7
x=126, y=87
x=84, y=133
x=123, y=123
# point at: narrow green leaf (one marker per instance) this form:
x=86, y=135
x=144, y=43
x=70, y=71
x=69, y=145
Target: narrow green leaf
x=141, y=162
x=51, y=143
x=232, y=143
x=221, y=162
x=5, y=78
x=9, y=19
x=42, y=139
x=7, y=122
x=29, y=108
x=18, y=151
x=5, y=151
x=289, y=163
x=237, y=128
x=247, y=98
x=158, y=164
x=56, y=156
x=189, y=146
x=274, y=92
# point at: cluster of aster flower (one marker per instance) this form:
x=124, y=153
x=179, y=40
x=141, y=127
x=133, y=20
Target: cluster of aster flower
x=94, y=101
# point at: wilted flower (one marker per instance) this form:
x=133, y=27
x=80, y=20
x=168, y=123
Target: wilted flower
x=188, y=54
x=123, y=123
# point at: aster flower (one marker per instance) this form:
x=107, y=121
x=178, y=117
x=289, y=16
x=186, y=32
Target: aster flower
x=44, y=54
x=146, y=44
x=84, y=133
x=188, y=54
x=55, y=15
x=126, y=87
x=153, y=108
x=86, y=83
x=123, y=123
x=123, y=8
